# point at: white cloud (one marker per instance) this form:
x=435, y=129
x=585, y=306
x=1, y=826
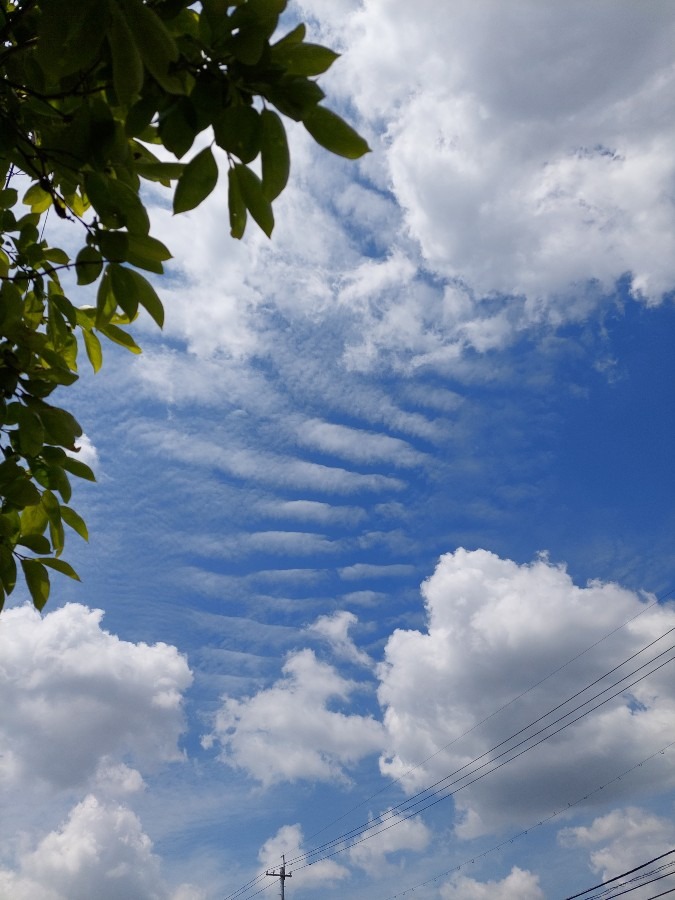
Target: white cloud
x=494, y=629
x=86, y=452
x=275, y=543
x=368, y=570
x=628, y=837
x=518, y=885
x=287, y=732
x=357, y=445
x=544, y=183
x=398, y=834
x=288, y=841
x=335, y=629
x=313, y=511
x=267, y=468
x=100, y=851
x=74, y=693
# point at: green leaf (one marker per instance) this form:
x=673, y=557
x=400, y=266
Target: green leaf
x=295, y=96
x=8, y=197
x=37, y=580
x=38, y=543
x=163, y=172
x=296, y=36
x=118, y=336
x=154, y=42
x=78, y=468
x=37, y=198
x=179, y=126
x=31, y=432
x=106, y=302
x=236, y=205
x=124, y=291
x=88, y=263
x=61, y=428
x=56, y=255
x=126, y=60
x=237, y=130
x=197, y=181
x=21, y=492
x=93, y=347
x=34, y=519
x=7, y=569
x=333, y=133
x=254, y=198
x=304, y=59
x=147, y=252
x=59, y=565
x=114, y=245
x=117, y=204
x=276, y=160
x=74, y=521
x=53, y=509
x=10, y=525
x=147, y=296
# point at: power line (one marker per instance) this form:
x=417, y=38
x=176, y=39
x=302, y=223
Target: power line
x=604, y=895
x=439, y=788
x=525, y=831
x=491, y=715
x=366, y=831
x=423, y=796
x=603, y=884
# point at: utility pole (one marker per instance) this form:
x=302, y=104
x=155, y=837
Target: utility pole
x=282, y=874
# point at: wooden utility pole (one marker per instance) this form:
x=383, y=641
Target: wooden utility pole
x=282, y=874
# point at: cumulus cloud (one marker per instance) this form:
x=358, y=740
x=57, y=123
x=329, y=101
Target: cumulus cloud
x=399, y=834
x=621, y=839
x=75, y=694
x=80, y=707
x=518, y=885
x=525, y=180
x=100, y=851
x=542, y=185
x=499, y=197
x=288, y=732
x=288, y=842
x=495, y=628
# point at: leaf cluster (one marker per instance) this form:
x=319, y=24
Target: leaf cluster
x=90, y=92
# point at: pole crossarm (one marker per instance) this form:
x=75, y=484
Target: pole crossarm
x=282, y=874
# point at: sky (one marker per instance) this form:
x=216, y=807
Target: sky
x=382, y=540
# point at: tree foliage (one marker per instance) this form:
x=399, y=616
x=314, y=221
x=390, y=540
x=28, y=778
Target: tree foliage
x=88, y=90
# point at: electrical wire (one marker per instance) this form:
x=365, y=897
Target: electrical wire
x=510, y=702
x=408, y=804
x=635, y=888
x=368, y=830
x=442, y=786
x=525, y=831
x=603, y=884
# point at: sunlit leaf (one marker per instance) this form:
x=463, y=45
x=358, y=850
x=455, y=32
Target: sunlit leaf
x=74, y=521
x=60, y=565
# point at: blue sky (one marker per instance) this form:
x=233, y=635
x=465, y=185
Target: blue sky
x=376, y=479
